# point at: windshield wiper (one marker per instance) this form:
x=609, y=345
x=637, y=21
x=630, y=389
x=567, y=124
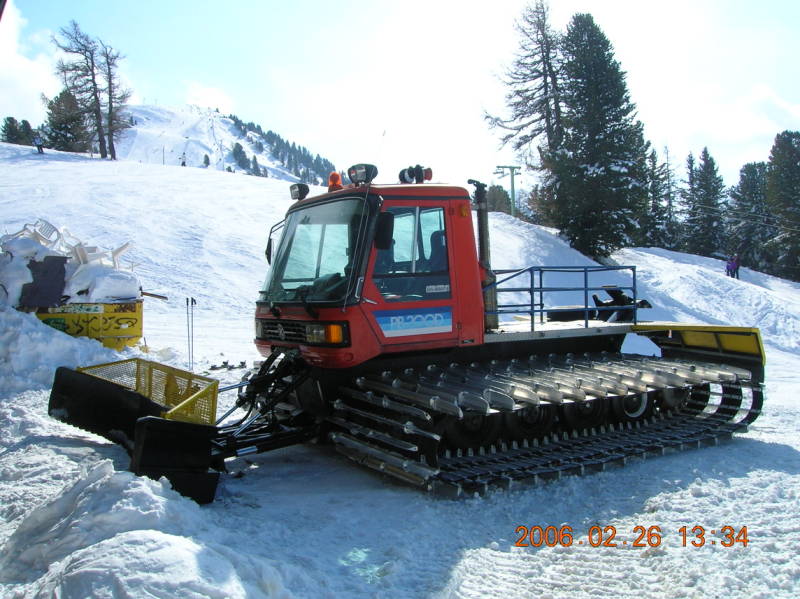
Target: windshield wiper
x=302, y=295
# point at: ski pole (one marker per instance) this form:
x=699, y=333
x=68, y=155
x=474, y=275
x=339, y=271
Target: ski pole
x=188, y=338
x=191, y=354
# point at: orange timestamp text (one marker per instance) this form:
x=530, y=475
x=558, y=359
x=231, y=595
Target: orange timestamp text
x=640, y=536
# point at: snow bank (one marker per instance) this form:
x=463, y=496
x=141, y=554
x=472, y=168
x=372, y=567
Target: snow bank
x=30, y=352
x=87, y=540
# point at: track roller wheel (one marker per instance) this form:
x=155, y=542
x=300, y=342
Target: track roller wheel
x=586, y=414
x=530, y=422
x=474, y=430
x=632, y=408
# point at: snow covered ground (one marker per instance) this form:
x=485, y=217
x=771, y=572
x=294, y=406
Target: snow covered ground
x=303, y=522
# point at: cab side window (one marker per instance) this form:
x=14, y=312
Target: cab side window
x=416, y=266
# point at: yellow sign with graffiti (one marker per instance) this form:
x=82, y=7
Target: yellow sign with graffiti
x=114, y=325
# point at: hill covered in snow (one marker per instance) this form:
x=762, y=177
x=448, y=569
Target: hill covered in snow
x=302, y=522
x=172, y=136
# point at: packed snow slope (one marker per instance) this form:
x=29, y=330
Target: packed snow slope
x=303, y=522
x=165, y=135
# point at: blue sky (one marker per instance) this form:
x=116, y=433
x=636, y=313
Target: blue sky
x=400, y=83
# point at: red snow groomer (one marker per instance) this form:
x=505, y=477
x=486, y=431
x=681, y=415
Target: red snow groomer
x=384, y=334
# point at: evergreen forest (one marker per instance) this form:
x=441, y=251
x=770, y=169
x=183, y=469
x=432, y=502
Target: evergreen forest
x=573, y=123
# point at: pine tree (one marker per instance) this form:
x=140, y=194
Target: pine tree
x=672, y=227
x=653, y=230
x=749, y=225
x=206, y=160
x=254, y=168
x=240, y=156
x=498, y=200
x=598, y=174
x=66, y=124
x=704, y=227
x=10, y=131
x=540, y=206
x=688, y=200
x=783, y=199
x=26, y=134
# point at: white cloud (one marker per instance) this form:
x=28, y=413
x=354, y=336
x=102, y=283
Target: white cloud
x=208, y=97
x=22, y=79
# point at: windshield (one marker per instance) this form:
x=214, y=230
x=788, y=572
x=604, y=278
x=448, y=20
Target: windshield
x=314, y=261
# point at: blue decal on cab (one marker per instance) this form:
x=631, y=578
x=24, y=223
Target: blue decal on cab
x=414, y=321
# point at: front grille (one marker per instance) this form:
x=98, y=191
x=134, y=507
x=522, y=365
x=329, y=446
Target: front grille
x=288, y=331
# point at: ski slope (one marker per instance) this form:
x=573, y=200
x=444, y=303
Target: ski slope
x=164, y=135
x=304, y=522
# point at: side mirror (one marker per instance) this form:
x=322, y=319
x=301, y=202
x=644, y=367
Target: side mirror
x=268, y=251
x=384, y=231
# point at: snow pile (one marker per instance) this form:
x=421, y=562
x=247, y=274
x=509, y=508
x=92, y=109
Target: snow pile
x=100, y=283
x=94, y=278
x=304, y=522
x=30, y=352
x=86, y=541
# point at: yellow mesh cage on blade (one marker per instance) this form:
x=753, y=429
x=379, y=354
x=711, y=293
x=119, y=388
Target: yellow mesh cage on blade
x=185, y=396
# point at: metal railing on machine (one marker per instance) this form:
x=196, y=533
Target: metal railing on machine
x=536, y=290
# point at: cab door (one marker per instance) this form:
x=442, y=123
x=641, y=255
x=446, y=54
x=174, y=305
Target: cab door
x=410, y=297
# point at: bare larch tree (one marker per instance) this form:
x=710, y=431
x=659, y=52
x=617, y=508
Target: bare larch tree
x=534, y=98
x=80, y=76
x=116, y=96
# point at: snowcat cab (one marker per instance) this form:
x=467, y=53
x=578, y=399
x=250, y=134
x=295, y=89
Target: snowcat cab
x=373, y=270
x=384, y=334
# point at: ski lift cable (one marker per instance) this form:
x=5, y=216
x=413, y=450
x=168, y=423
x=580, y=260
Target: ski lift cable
x=767, y=220
x=759, y=220
x=727, y=210
x=763, y=219
x=755, y=222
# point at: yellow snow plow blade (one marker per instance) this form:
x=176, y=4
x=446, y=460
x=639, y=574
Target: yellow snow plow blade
x=186, y=396
x=739, y=343
x=163, y=416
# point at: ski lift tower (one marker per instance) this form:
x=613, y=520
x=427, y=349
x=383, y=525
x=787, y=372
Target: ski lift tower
x=512, y=171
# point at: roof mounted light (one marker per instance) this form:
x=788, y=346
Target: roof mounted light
x=334, y=181
x=362, y=173
x=415, y=174
x=299, y=191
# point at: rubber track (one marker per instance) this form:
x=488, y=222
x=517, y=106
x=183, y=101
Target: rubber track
x=376, y=420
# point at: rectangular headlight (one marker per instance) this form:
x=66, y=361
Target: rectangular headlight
x=325, y=333
x=315, y=333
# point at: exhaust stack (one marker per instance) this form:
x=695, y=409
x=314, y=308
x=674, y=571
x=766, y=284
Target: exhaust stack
x=490, y=319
